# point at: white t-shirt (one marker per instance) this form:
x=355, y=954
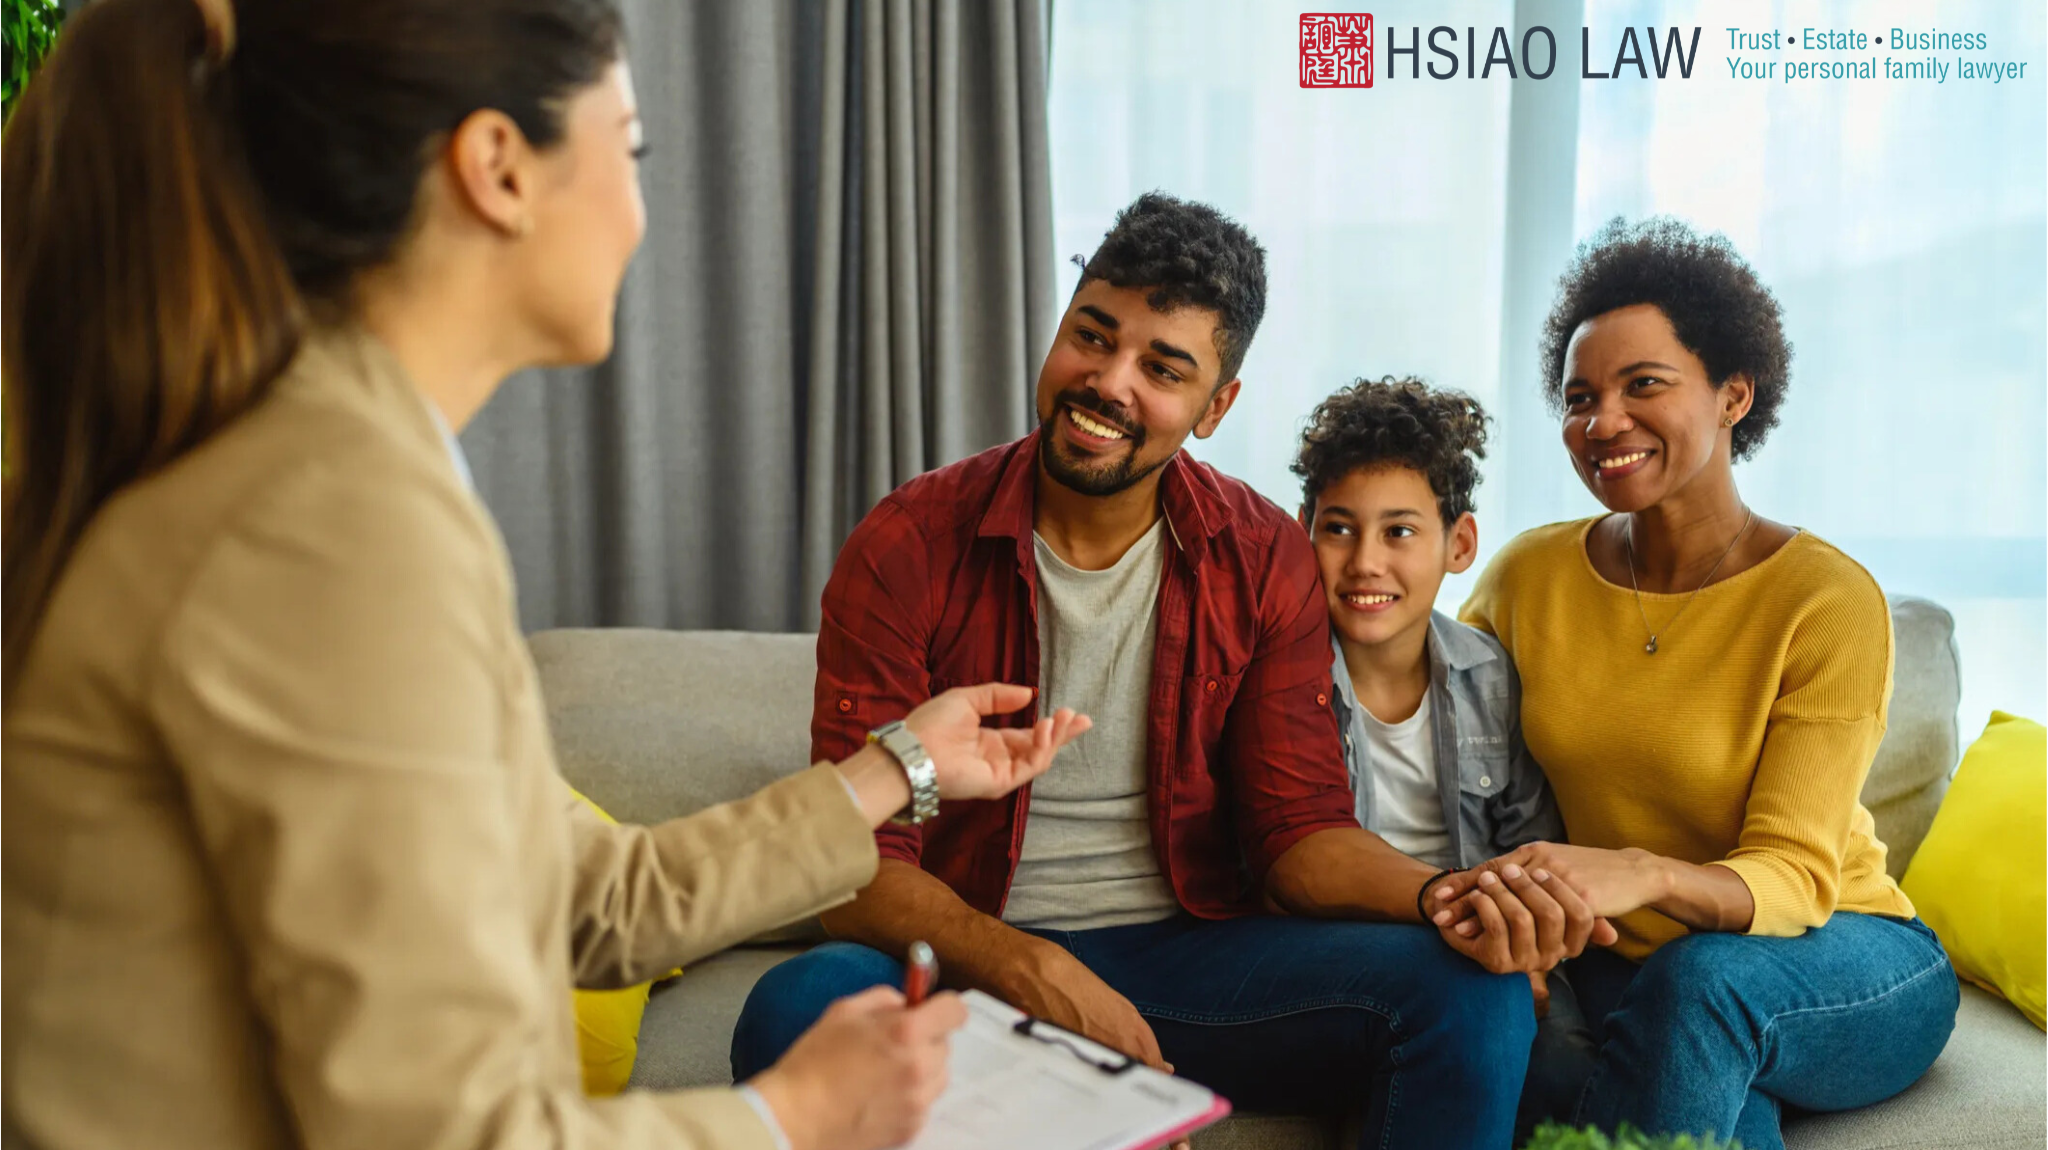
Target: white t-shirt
x=1087, y=860
x=1406, y=803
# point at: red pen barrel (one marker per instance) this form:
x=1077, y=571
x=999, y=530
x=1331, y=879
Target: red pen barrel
x=921, y=973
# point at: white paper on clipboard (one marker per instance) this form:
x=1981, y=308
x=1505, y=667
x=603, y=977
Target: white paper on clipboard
x=1011, y=1091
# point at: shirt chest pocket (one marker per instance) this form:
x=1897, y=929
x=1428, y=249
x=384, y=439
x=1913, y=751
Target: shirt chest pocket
x=1483, y=764
x=1485, y=745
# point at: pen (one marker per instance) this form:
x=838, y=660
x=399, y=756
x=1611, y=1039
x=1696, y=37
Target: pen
x=922, y=974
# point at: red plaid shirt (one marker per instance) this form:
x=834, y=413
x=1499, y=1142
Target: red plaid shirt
x=938, y=587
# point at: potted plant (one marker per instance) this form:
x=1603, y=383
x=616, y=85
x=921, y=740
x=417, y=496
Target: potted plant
x=1551, y=1136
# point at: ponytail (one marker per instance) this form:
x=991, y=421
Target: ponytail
x=143, y=302
x=186, y=181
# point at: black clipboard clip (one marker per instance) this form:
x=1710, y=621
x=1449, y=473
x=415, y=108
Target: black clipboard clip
x=1093, y=1053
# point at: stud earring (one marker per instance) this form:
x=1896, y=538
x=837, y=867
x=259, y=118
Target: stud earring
x=1727, y=421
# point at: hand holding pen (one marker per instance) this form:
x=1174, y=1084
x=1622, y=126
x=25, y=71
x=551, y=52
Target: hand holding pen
x=920, y=974
x=867, y=1074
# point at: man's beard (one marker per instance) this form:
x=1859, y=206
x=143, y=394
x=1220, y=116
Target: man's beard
x=1099, y=480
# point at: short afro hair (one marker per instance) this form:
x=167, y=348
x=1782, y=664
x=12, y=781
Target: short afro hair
x=1393, y=422
x=1720, y=310
x=1190, y=255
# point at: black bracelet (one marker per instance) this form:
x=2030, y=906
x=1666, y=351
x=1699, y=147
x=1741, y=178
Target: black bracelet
x=1422, y=894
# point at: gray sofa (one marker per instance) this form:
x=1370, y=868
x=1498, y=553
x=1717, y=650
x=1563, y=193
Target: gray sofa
x=653, y=724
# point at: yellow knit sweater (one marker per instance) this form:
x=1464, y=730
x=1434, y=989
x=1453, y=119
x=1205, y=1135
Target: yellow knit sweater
x=1743, y=742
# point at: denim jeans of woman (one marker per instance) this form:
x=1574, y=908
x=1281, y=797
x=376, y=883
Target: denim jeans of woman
x=1722, y=1033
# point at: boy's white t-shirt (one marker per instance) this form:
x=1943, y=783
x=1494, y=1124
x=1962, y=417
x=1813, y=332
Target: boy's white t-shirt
x=1406, y=806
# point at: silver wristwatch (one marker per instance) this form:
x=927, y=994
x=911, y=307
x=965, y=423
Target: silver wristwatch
x=896, y=739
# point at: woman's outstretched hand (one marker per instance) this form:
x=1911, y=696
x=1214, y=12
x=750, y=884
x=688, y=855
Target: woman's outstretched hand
x=1611, y=883
x=977, y=762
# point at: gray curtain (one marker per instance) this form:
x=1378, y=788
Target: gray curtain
x=848, y=279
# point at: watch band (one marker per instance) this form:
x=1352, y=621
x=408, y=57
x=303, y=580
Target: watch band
x=897, y=739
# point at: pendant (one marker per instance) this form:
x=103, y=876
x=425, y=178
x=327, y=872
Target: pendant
x=1650, y=648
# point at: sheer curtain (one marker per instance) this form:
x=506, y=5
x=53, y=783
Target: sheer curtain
x=1902, y=226
x=1381, y=211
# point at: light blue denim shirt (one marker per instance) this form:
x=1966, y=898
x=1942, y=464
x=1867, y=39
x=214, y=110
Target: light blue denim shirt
x=454, y=445
x=1494, y=795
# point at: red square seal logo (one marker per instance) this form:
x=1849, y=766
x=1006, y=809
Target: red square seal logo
x=1336, y=49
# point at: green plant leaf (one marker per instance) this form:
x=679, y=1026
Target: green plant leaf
x=30, y=28
x=1551, y=1136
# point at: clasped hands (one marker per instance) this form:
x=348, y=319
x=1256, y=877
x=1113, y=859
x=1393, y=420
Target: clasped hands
x=1540, y=904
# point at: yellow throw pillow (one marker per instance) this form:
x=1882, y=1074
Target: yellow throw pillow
x=608, y=1036
x=608, y=1023
x=1981, y=877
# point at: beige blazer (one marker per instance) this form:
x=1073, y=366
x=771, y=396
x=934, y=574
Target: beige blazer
x=285, y=856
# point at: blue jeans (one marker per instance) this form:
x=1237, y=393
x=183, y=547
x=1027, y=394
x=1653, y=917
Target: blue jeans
x=1559, y=1063
x=1275, y=1014
x=1714, y=1033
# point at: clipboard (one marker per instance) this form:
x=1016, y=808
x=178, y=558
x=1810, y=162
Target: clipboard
x=1021, y=1083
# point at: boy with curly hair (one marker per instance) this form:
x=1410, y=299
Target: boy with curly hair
x=1428, y=706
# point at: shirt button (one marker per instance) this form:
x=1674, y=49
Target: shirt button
x=1486, y=780
x=1210, y=686
x=846, y=706
x=1322, y=700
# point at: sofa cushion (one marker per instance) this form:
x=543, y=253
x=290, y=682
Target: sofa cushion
x=686, y=1034
x=1919, y=751
x=1275, y=1132
x=655, y=724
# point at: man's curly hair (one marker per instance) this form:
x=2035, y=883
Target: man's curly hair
x=1720, y=310
x=1190, y=255
x=1393, y=422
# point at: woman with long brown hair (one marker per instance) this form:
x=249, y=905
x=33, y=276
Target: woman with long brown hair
x=286, y=858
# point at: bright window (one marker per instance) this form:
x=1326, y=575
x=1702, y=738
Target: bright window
x=1903, y=227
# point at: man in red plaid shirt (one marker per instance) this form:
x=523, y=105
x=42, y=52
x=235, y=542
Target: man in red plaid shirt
x=1130, y=894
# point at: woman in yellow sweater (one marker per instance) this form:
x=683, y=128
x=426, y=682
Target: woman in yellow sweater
x=1705, y=689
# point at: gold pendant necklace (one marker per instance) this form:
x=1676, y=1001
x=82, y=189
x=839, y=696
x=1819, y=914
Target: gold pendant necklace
x=1629, y=540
